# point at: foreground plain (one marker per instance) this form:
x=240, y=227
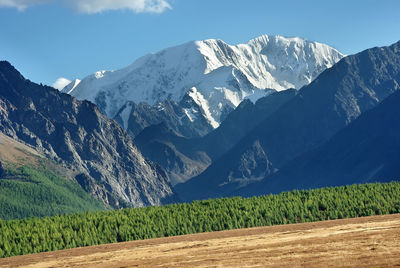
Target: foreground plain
x=360, y=242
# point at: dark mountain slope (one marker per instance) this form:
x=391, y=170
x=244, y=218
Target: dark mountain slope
x=241, y=121
x=340, y=94
x=185, y=158
x=176, y=154
x=367, y=150
x=105, y=161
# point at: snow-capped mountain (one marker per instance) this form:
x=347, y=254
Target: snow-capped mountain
x=71, y=86
x=215, y=75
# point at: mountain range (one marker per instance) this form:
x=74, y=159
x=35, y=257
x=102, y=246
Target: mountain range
x=194, y=86
x=330, y=103
x=205, y=120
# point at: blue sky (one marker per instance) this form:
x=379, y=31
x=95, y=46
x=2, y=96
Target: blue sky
x=71, y=38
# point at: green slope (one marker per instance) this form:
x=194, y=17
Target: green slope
x=28, y=190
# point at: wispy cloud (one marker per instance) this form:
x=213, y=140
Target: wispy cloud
x=96, y=6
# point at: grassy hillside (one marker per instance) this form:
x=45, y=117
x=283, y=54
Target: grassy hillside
x=31, y=185
x=28, y=191
x=67, y=231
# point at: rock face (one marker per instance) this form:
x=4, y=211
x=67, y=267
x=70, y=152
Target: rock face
x=207, y=79
x=339, y=95
x=106, y=162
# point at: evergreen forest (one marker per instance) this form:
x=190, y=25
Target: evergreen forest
x=34, y=189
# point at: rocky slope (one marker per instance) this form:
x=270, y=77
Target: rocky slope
x=102, y=156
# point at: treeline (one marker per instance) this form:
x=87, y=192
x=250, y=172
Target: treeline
x=92, y=228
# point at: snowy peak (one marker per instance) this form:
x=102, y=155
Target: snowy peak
x=222, y=75
x=287, y=56
x=271, y=61
x=71, y=86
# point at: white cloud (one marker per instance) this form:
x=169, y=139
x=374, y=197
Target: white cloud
x=20, y=4
x=60, y=83
x=97, y=6
x=138, y=6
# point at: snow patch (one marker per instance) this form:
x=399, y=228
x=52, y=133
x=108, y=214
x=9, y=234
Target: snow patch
x=71, y=86
x=125, y=114
x=99, y=74
x=203, y=104
x=189, y=114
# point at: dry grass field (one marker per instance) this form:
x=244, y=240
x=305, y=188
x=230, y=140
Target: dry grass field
x=361, y=242
x=12, y=151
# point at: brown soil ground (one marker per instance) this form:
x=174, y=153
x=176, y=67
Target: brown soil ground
x=361, y=242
